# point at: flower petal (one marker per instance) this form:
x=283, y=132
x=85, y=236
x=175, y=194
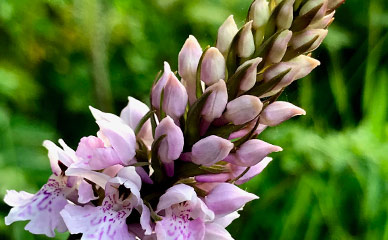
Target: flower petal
x=42, y=209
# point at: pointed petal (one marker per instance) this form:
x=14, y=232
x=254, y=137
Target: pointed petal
x=226, y=198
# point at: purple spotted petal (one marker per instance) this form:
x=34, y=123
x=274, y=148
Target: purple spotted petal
x=105, y=222
x=174, y=227
x=42, y=209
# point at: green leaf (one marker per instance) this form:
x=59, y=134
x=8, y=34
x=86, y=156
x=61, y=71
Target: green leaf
x=292, y=53
x=193, y=121
x=263, y=87
x=301, y=22
x=143, y=120
x=233, y=84
x=156, y=164
x=198, y=87
x=224, y=131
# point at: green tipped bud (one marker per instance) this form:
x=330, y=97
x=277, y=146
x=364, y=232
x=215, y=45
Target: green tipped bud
x=246, y=43
x=285, y=15
x=334, y=4
x=301, y=39
x=309, y=5
x=226, y=33
x=300, y=67
x=279, y=47
x=259, y=13
x=249, y=79
x=323, y=22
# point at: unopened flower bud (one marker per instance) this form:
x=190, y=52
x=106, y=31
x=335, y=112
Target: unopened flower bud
x=249, y=79
x=286, y=15
x=246, y=43
x=323, y=22
x=175, y=98
x=158, y=87
x=226, y=33
x=226, y=198
x=253, y=151
x=300, y=67
x=216, y=102
x=243, y=109
x=259, y=13
x=213, y=66
x=210, y=150
x=332, y=5
x=133, y=113
x=309, y=5
x=187, y=65
x=300, y=39
x=279, y=47
x=252, y=172
x=278, y=112
x=172, y=145
x=189, y=57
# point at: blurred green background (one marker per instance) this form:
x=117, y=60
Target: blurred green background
x=330, y=182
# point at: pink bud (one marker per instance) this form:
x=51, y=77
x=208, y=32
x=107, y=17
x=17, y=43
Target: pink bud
x=259, y=13
x=309, y=5
x=323, y=22
x=249, y=79
x=210, y=150
x=189, y=57
x=175, y=98
x=300, y=67
x=243, y=109
x=278, y=112
x=252, y=172
x=226, y=198
x=246, y=43
x=216, y=102
x=187, y=65
x=213, y=66
x=133, y=113
x=304, y=37
x=172, y=145
x=158, y=87
x=252, y=152
x=286, y=15
x=279, y=47
x=226, y=33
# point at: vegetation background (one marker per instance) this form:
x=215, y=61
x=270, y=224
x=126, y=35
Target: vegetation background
x=330, y=182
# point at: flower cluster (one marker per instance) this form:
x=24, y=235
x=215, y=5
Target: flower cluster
x=170, y=171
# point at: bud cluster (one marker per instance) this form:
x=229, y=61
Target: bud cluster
x=170, y=171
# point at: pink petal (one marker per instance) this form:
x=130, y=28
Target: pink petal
x=85, y=192
x=133, y=113
x=252, y=172
x=157, y=89
x=122, y=139
x=215, y=231
x=226, y=198
x=175, y=98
